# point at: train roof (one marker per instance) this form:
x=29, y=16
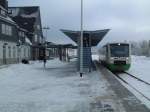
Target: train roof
x=122, y=43
x=114, y=43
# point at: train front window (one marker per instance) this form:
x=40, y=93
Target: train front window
x=119, y=50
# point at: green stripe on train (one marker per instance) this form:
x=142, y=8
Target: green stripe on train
x=114, y=67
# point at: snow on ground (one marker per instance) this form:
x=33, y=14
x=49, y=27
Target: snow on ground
x=140, y=67
x=56, y=88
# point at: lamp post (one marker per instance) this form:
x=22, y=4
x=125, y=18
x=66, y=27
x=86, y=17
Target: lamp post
x=81, y=41
x=45, y=44
x=46, y=29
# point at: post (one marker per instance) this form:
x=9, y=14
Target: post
x=149, y=48
x=46, y=31
x=81, y=41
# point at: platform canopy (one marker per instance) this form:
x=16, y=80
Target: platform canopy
x=95, y=36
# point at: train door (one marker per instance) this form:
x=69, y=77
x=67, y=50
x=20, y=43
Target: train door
x=4, y=55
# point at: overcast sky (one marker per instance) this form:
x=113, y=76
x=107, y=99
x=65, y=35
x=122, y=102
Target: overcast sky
x=127, y=19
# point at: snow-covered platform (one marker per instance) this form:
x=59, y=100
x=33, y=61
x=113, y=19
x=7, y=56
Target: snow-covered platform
x=128, y=100
x=58, y=88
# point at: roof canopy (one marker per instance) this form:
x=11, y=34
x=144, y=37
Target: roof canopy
x=96, y=36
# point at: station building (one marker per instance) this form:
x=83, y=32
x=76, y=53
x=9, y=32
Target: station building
x=14, y=45
x=20, y=33
x=29, y=18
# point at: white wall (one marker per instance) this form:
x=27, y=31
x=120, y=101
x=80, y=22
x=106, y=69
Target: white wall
x=14, y=54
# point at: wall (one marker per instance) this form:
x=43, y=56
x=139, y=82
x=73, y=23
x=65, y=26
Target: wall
x=11, y=53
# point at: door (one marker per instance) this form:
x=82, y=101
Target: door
x=4, y=55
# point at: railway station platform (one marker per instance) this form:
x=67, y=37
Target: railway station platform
x=59, y=88
x=100, y=91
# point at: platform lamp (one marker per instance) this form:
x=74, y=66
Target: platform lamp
x=46, y=29
x=81, y=41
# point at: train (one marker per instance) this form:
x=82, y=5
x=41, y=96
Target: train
x=116, y=56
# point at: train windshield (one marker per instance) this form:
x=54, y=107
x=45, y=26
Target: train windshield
x=119, y=50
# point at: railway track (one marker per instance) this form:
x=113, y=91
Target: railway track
x=147, y=83
x=123, y=80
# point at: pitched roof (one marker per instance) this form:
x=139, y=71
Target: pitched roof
x=25, y=17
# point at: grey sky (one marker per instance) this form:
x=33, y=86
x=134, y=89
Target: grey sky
x=127, y=19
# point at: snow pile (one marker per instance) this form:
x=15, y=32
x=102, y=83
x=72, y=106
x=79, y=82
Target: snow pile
x=141, y=67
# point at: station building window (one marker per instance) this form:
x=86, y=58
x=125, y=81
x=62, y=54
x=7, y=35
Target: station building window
x=9, y=52
x=24, y=52
x=3, y=12
x=3, y=29
x=14, y=52
x=6, y=30
x=28, y=52
x=35, y=38
x=22, y=36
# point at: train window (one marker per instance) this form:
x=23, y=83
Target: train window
x=119, y=50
